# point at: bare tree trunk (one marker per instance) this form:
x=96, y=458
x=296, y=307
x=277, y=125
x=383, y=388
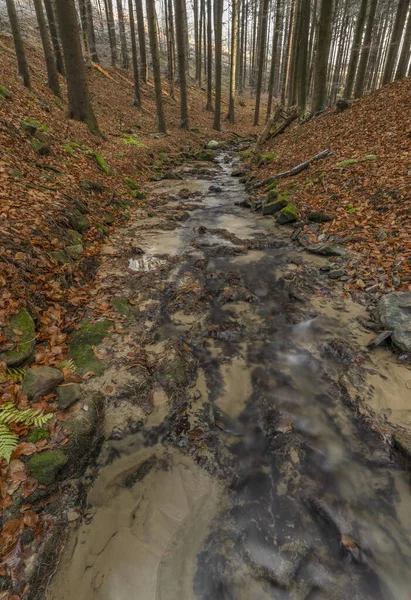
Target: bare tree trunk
x=218, y=20
x=321, y=62
x=54, y=36
x=302, y=65
x=405, y=52
x=91, y=32
x=355, y=51
x=200, y=43
x=84, y=26
x=231, y=110
x=395, y=41
x=365, y=52
x=171, y=47
x=18, y=43
x=78, y=95
x=287, y=65
x=111, y=30
x=123, y=39
x=52, y=75
x=142, y=41
x=274, y=58
x=209, y=105
x=187, y=40
x=137, y=94
x=196, y=24
x=182, y=67
x=155, y=57
x=261, y=53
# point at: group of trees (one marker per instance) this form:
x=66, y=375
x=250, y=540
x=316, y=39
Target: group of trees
x=304, y=53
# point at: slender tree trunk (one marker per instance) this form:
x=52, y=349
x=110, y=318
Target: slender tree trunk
x=111, y=30
x=155, y=57
x=355, y=51
x=196, y=24
x=171, y=47
x=231, y=110
x=123, y=39
x=200, y=44
x=18, y=43
x=54, y=36
x=274, y=58
x=323, y=51
x=78, y=95
x=84, y=27
x=287, y=65
x=142, y=41
x=302, y=65
x=365, y=52
x=52, y=75
x=261, y=53
x=405, y=52
x=91, y=32
x=292, y=91
x=137, y=94
x=209, y=105
x=218, y=19
x=182, y=67
x=395, y=41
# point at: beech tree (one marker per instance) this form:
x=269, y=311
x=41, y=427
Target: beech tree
x=155, y=57
x=319, y=99
x=18, y=43
x=231, y=108
x=123, y=40
x=54, y=36
x=395, y=40
x=137, y=95
x=52, y=75
x=218, y=25
x=182, y=67
x=142, y=41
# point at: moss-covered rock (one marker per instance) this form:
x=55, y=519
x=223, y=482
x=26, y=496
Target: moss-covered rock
x=75, y=252
x=272, y=186
x=272, y=195
x=205, y=155
x=139, y=195
x=77, y=221
x=102, y=228
x=92, y=186
x=41, y=148
x=60, y=257
x=288, y=214
x=122, y=306
x=81, y=346
x=317, y=217
x=68, y=394
x=38, y=435
x=75, y=237
x=5, y=93
x=107, y=218
x=271, y=208
x=131, y=183
x=83, y=426
x=46, y=466
x=101, y=162
x=23, y=344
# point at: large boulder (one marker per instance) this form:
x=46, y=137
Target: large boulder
x=22, y=342
x=394, y=311
x=41, y=381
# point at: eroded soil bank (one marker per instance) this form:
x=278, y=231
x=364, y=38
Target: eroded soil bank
x=241, y=458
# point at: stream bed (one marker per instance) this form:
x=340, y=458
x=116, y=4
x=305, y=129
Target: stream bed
x=252, y=477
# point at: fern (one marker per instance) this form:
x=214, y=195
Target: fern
x=8, y=442
x=16, y=374
x=10, y=414
x=67, y=363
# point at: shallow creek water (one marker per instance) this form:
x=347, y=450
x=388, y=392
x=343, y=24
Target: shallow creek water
x=290, y=495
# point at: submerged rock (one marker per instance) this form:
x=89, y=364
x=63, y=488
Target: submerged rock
x=41, y=381
x=288, y=214
x=394, y=311
x=23, y=348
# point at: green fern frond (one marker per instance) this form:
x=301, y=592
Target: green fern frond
x=67, y=363
x=10, y=414
x=8, y=442
x=16, y=374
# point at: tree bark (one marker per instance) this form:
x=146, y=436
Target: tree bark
x=218, y=19
x=123, y=39
x=302, y=65
x=365, y=51
x=155, y=57
x=273, y=82
x=78, y=95
x=209, y=105
x=182, y=67
x=355, y=51
x=405, y=52
x=84, y=26
x=395, y=40
x=171, y=47
x=137, y=95
x=231, y=109
x=18, y=43
x=111, y=30
x=142, y=41
x=54, y=36
x=91, y=32
x=52, y=75
x=322, y=55
x=261, y=54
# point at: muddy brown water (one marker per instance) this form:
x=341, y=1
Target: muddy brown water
x=284, y=493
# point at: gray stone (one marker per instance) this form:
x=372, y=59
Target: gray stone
x=68, y=394
x=317, y=217
x=394, y=311
x=75, y=252
x=212, y=145
x=336, y=274
x=327, y=249
x=41, y=381
x=396, y=281
x=271, y=208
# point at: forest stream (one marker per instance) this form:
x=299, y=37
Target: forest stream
x=257, y=478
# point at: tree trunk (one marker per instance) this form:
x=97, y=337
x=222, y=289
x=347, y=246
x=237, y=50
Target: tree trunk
x=405, y=52
x=274, y=58
x=260, y=62
x=209, y=105
x=322, y=55
x=58, y=57
x=302, y=64
x=52, y=75
x=395, y=41
x=365, y=52
x=18, y=43
x=187, y=39
x=218, y=19
x=84, y=26
x=78, y=95
x=182, y=67
x=142, y=41
x=355, y=51
x=292, y=84
x=123, y=40
x=137, y=95
x=200, y=43
x=287, y=65
x=231, y=110
x=155, y=57
x=171, y=47
x=91, y=32
x=111, y=30
x=196, y=25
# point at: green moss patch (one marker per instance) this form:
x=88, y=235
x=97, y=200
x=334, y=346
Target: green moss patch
x=5, y=93
x=205, y=155
x=23, y=344
x=46, y=466
x=289, y=214
x=347, y=163
x=101, y=162
x=38, y=435
x=81, y=346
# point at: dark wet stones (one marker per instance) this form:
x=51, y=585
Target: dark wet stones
x=336, y=273
x=317, y=217
x=238, y=173
x=41, y=381
x=394, y=311
x=324, y=249
x=287, y=214
x=244, y=204
x=215, y=188
x=272, y=208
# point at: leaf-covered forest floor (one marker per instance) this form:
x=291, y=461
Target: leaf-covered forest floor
x=365, y=184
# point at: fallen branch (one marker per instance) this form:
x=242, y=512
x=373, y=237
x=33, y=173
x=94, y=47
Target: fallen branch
x=293, y=171
x=265, y=133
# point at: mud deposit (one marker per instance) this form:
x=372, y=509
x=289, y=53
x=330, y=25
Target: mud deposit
x=249, y=474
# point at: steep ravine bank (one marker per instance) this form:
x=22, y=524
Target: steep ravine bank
x=234, y=462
